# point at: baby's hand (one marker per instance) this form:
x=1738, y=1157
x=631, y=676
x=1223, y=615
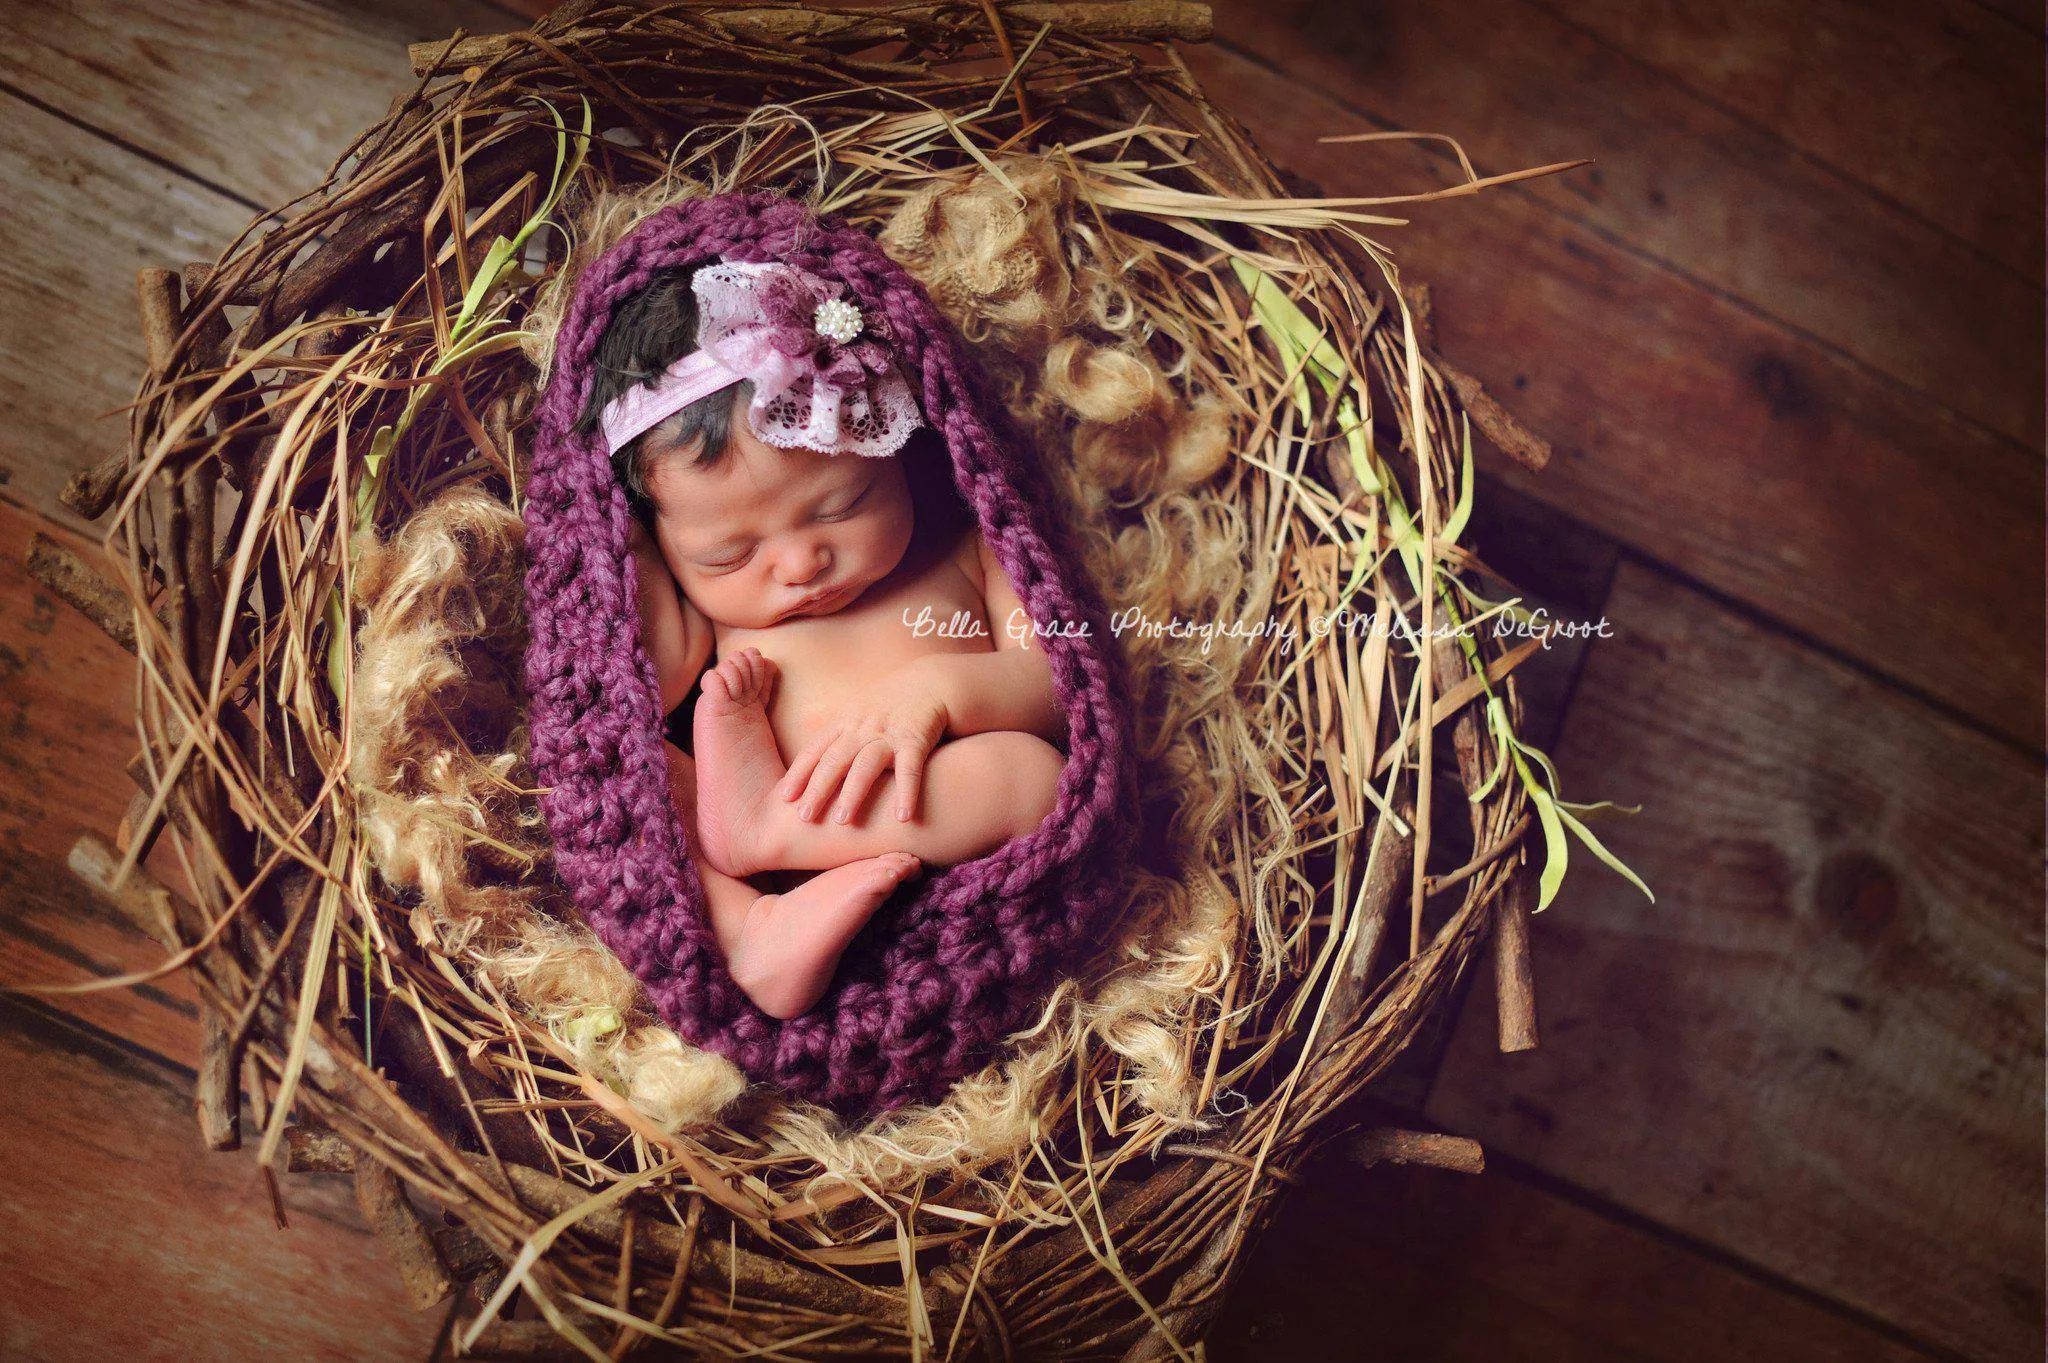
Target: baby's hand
x=895, y=725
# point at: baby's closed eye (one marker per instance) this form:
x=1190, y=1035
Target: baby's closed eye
x=841, y=507
x=724, y=559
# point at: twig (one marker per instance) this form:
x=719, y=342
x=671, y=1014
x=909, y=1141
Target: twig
x=1188, y=1308
x=1496, y=422
x=404, y=1236
x=141, y=900
x=316, y=1150
x=1392, y=1145
x=216, y=1093
x=1148, y=21
x=402, y=1044
x=679, y=1278
x=1287, y=1176
x=77, y=584
x=1387, y=868
x=1508, y=842
x=1513, y=972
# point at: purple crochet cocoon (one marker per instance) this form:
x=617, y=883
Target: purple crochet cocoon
x=954, y=963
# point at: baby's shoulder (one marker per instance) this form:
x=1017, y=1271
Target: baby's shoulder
x=967, y=557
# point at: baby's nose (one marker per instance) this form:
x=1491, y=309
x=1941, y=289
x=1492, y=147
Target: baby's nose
x=805, y=566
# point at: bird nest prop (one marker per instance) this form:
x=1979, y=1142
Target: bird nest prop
x=1266, y=471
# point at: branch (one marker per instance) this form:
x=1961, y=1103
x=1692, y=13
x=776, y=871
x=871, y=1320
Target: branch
x=1141, y=21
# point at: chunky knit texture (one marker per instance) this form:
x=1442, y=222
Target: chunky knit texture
x=954, y=963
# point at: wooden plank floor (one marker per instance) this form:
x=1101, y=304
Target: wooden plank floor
x=1786, y=335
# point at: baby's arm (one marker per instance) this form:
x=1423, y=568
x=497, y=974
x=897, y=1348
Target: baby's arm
x=1010, y=688
x=677, y=636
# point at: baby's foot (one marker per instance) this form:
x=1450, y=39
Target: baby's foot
x=738, y=764
x=791, y=942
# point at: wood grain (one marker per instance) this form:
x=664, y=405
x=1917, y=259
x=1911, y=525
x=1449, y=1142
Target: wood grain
x=104, y=1079
x=240, y=114
x=1427, y=1266
x=1717, y=198
x=1934, y=103
x=82, y=216
x=226, y=99
x=1712, y=440
x=1822, y=1048
x=66, y=732
x=127, y=1240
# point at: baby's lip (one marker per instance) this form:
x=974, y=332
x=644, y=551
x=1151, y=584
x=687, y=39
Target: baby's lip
x=816, y=599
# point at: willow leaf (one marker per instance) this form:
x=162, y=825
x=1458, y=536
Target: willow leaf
x=1358, y=441
x=1282, y=316
x=1461, y=513
x=1496, y=720
x=480, y=284
x=1556, y=850
x=1593, y=843
x=1599, y=809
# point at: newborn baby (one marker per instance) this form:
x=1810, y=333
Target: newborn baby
x=877, y=702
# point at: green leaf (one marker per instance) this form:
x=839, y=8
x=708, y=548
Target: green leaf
x=1359, y=443
x=1556, y=851
x=1463, y=511
x=480, y=284
x=369, y=487
x=1282, y=317
x=1361, y=568
x=502, y=252
x=1542, y=761
x=1586, y=836
x=495, y=343
x=1496, y=721
x=593, y=1023
x=461, y=348
x=1481, y=791
x=1305, y=350
x=1401, y=531
x=1599, y=809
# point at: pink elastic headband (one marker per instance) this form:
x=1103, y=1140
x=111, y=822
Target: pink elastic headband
x=641, y=408
x=823, y=379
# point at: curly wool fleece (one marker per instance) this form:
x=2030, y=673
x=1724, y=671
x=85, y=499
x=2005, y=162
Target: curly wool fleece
x=951, y=966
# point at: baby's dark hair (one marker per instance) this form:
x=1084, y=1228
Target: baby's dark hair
x=649, y=332
x=658, y=326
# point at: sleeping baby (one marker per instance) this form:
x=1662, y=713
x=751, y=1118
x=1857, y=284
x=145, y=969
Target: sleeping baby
x=877, y=703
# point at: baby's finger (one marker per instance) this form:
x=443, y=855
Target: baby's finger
x=792, y=783
x=868, y=767
x=825, y=778
x=909, y=781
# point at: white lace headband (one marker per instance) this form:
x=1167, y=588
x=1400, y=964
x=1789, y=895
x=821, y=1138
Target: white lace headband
x=822, y=380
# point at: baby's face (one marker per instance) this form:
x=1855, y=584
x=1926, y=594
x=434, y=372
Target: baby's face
x=769, y=534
